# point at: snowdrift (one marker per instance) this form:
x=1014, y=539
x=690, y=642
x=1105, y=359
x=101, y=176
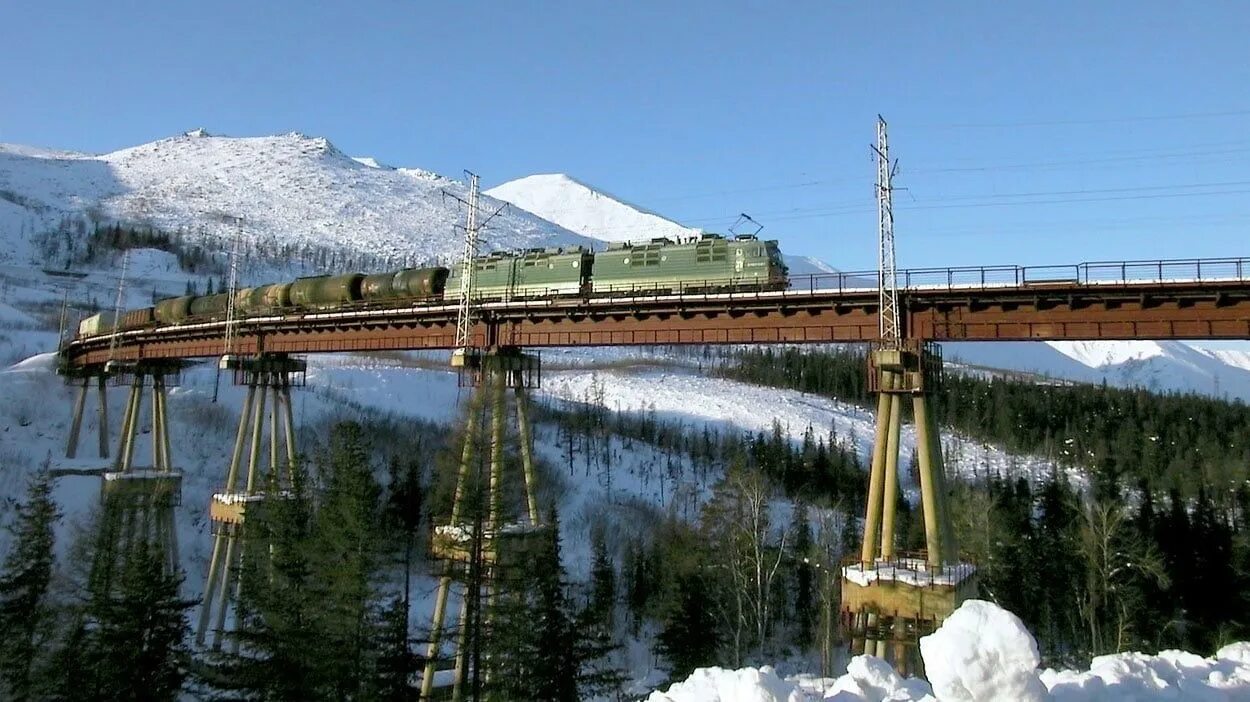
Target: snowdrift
x=983, y=653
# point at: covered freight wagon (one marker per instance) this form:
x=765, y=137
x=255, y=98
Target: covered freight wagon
x=528, y=274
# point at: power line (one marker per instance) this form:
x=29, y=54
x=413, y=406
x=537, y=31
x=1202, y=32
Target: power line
x=1081, y=122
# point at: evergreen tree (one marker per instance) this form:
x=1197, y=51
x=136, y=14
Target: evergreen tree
x=689, y=638
x=804, y=579
x=602, y=606
x=396, y=662
x=24, y=579
x=346, y=556
x=135, y=641
x=279, y=609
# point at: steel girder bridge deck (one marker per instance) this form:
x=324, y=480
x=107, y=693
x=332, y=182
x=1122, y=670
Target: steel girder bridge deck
x=1195, y=299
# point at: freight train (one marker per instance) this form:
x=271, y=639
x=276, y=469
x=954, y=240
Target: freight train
x=711, y=263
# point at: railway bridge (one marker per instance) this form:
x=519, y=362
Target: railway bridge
x=1179, y=299
x=1193, y=299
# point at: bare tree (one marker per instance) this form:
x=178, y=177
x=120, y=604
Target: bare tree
x=1116, y=562
x=738, y=521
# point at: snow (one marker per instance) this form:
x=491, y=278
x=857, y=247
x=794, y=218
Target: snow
x=288, y=189
x=911, y=571
x=741, y=407
x=983, y=653
x=719, y=685
x=584, y=209
x=1153, y=365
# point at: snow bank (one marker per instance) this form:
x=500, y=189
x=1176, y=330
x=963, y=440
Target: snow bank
x=720, y=685
x=983, y=653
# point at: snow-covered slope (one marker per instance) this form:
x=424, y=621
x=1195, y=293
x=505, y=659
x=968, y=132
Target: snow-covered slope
x=289, y=189
x=584, y=209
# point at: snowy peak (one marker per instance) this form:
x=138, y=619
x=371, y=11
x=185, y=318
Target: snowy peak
x=584, y=209
x=1154, y=365
x=291, y=192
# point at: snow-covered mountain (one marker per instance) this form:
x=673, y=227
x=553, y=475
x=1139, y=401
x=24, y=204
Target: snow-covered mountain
x=287, y=189
x=1154, y=365
x=589, y=211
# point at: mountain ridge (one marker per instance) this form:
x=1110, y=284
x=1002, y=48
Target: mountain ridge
x=288, y=189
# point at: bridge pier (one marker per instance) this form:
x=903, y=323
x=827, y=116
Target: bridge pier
x=474, y=542
x=269, y=379
x=890, y=600
x=84, y=377
x=137, y=502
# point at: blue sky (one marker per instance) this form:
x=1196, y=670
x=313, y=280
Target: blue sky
x=1031, y=133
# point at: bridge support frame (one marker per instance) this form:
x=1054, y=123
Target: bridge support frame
x=473, y=551
x=890, y=600
x=84, y=377
x=137, y=502
x=267, y=378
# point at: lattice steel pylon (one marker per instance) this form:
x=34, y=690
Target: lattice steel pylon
x=232, y=290
x=887, y=282
x=464, y=312
x=889, y=600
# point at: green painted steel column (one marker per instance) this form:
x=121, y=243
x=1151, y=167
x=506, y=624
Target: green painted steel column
x=130, y=423
x=258, y=427
x=928, y=488
x=223, y=595
x=527, y=455
x=210, y=587
x=890, y=497
x=436, y=635
x=103, y=415
x=273, y=437
x=75, y=427
x=240, y=436
x=462, y=652
x=289, y=430
x=872, y=521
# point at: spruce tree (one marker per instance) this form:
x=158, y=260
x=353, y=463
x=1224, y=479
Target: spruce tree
x=27, y=571
x=136, y=637
x=346, y=556
x=396, y=662
x=690, y=637
x=804, y=578
x=280, y=635
x=602, y=605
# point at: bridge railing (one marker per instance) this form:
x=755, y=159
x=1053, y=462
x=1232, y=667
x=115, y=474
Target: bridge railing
x=1094, y=273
